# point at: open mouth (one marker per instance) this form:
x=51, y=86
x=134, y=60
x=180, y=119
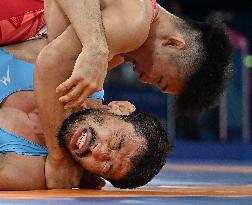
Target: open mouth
x=80, y=141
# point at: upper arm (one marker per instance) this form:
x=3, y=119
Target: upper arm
x=126, y=25
x=28, y=50
x=18, y=172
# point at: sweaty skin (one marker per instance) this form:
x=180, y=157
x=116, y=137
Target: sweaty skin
x=136, y=17
x=85, y=17
x=138, y=39
x=19, y=115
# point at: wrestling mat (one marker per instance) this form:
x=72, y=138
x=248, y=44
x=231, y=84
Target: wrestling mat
x=178, y=183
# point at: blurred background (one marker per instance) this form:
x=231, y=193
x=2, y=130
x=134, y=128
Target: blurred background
x=222, y=133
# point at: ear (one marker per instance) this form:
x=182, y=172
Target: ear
x=174, y=42
x=121, y=107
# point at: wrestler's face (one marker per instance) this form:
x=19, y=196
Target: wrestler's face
x=104, y=145
x=150, y=62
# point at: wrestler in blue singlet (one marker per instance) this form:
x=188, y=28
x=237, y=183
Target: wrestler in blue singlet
x=17, y=75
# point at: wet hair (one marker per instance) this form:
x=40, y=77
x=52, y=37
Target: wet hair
x=206, y=66
x=150, y=159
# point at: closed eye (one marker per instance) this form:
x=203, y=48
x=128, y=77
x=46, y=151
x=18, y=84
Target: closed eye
x=118, y=140
x=110, y=168
x=107, y=168
x=122, y=139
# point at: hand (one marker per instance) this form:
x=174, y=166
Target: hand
x=121, y=107
x=63, y=174
x=91, y=181
x=87, y=77
x=91, y=103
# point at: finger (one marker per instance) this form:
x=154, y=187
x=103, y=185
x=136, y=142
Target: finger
x=65, y=86
x=91, y=103
x=132, y=108
x=73, y=94
x=122, y=105
x=78, y=101
x=113, y=104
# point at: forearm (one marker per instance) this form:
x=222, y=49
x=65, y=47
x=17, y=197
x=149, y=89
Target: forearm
x=51, y=111
x=49, y=73
x=27, y=51
x=86, y=19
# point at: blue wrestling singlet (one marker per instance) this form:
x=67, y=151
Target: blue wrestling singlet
x=17, y=75
x=10, y=143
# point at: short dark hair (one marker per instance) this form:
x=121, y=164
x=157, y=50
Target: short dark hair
x=211, y=70
x=151, y=160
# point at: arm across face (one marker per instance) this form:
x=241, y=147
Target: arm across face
x=55, y=64
x=22, y=164
x=120, y=39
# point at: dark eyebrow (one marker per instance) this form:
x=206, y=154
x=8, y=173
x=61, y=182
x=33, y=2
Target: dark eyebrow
x=110, y=168
x=93, y=135
x=122, y=140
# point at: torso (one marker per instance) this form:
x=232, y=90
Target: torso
x=23, y=100
x=17, y=109
x=22, y=116
x=18, y=115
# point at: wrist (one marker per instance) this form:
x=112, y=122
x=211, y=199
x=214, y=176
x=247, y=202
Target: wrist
x=99, y=50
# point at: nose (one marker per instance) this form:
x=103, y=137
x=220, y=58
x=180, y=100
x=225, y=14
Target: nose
x=101, y=153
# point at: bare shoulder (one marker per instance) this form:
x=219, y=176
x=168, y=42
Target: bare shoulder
x=136, y=15
x=18, y=172
x=20, y=123
x=13, y=120
x=127, y=23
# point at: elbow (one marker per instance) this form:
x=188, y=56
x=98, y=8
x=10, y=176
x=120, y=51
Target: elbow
x=46, y=63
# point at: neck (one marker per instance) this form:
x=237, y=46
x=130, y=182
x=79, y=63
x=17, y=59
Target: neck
x=163, y=25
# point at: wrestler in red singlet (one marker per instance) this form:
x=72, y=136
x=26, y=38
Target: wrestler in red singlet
x=20, y=20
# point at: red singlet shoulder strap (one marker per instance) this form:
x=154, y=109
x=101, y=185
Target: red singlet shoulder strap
x=154, y=2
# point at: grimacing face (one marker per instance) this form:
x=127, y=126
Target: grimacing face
x=104, y=145
x=151, y=63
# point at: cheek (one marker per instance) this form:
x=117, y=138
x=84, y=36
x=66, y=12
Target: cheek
x=160, y=66
x=89, y=164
